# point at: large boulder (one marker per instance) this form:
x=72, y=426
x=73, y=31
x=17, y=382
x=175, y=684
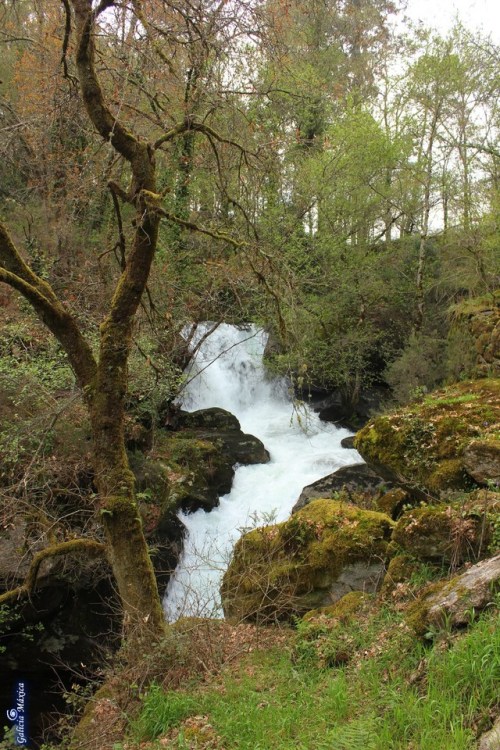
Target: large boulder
x=324, y=551
x=223, y=428
x=358, y=479
x=455, y=602
x=482, y=461
x=437, y=443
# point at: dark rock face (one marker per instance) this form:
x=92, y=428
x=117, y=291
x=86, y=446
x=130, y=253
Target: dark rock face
x=223, y=427
x=351, y=479
x=353, y=415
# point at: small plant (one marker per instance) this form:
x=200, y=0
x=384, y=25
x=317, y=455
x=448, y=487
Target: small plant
x=161, y=710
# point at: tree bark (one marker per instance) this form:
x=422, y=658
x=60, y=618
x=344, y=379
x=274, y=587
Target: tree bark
x=104, y=381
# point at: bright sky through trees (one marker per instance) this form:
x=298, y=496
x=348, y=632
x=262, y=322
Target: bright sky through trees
x=474, y=14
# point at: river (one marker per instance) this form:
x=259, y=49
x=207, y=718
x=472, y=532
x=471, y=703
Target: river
x=228, y=372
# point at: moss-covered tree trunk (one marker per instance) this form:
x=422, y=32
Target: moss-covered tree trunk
x=127, y=546
x=103, y=379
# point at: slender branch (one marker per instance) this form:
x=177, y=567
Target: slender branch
x=193, y=227
x=200, y=127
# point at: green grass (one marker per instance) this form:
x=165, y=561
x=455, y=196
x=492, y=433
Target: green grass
x=393, y=694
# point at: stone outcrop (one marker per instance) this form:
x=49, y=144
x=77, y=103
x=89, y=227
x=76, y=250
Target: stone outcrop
x=448, y=440
x=350, y=414
x=324, y=551
x=482, y=461
x=454, y=603
x=223, y=429
x=359, y=485
x=358, y=478
x=474, y=337
x=491, y=740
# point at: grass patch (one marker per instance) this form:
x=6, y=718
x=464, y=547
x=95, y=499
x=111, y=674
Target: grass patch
x=392, y=693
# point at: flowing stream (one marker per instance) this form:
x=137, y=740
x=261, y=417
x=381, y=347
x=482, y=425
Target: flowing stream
x=228, y=372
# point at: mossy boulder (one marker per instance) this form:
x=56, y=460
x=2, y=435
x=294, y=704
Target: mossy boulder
x=196, y=469
x=427, y=443
x=343, y=609
x=455, y=602
x=442, y=533
x=392, y=502
x=324, y=551
x=199, y=457
x=474, y=338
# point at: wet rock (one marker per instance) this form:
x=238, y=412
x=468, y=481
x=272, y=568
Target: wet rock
x=356, y=479
x=224, y=428
x=347, y=442
x=455, y=602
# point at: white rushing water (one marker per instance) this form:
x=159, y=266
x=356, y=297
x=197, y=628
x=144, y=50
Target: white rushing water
x=302, y=448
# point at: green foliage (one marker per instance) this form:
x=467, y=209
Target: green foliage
x=33, y=374
x=161, y=711
x=11, y=622
x=390, y=693
x=419, y=368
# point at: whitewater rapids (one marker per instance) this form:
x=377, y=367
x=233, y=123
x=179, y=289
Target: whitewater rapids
x=228, y=372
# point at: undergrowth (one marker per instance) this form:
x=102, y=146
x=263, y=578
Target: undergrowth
x=388, y=690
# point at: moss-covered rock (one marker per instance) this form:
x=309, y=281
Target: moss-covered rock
x=426, y=443
x=324, y=551
x=442, y=533
x=196, y=469
x=454, y=603
x=392, y=502
x=474, y=338
x=223, y=429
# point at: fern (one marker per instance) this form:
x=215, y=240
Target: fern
x=359, y=734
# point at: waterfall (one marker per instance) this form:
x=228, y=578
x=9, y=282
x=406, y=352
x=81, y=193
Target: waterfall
x=228, y=372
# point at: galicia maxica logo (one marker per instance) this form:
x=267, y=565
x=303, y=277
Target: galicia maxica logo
x=18, y=714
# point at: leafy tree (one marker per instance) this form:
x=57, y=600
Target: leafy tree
x=102, y=375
